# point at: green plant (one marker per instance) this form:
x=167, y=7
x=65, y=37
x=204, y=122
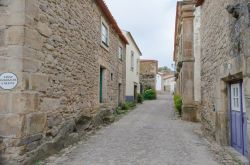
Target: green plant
x=119, y=111
x=125, y=106
x=139, y=98
x=150, y=94
x=38, y=163
x=131, y=104
x=128, y=105
x=178, y=104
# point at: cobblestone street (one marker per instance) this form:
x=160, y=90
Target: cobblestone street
x=149, y=135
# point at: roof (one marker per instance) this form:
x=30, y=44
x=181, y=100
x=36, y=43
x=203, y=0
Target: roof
x=160, y=73
x=132, y=38
x=148, y=60
x=168, y=77
x=104, y=8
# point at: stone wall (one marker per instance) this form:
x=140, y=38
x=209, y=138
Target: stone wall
x=148, y=71
x=54, y=47
x=224, y=55
x=215, y=50
x=185, y=59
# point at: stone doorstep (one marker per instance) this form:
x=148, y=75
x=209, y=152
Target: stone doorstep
x=237, y=156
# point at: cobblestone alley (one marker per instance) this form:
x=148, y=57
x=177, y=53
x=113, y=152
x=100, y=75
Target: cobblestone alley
x=149, y=135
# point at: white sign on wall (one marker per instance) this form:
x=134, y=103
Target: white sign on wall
x=8, y=81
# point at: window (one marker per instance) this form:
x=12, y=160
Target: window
x=235, y=97
x=105, y=34
x=132, y=61
x=137, y=66
x=111, y=76
x=101, y=85
x=120, y=53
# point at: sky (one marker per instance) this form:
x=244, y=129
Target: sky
x=151, y=23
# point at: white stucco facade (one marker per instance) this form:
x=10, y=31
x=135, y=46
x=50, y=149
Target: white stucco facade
x=133, y=54
x=159, y=82
x=169, y=84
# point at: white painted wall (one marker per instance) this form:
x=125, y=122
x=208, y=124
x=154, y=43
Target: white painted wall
x=159, y=82
x=170, y=82
x=132, y=76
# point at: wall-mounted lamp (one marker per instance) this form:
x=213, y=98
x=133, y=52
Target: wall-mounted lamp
x=229, y=67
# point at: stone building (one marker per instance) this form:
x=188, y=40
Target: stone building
x=186, y=57
x=65, y=55
x=225, y=71
x=133, y=54
x=148, y=72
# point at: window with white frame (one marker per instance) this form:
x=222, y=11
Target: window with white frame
x=105, y=34
x=235, y=97
x=137, y=66
x=120, y=52
x=132, y=61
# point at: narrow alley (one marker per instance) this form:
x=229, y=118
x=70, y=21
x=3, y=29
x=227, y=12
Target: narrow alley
x=149, y=135
x=114, y=82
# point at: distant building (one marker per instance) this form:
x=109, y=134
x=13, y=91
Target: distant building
x=133, y=54
x=159, y=82
x=148, y=72
x=168, y=83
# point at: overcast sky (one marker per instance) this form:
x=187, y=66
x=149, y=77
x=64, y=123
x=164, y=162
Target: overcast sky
x=151, y=23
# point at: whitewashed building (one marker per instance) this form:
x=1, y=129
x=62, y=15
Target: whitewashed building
x=159, y=82
x=169, y=83
x=133, y=54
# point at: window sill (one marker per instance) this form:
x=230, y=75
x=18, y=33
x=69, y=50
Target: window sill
x=106, y=47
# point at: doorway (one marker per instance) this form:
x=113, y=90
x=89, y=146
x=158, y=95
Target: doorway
x=135, y=93
x=238, y=119
x=119, y=93
x=101, y=85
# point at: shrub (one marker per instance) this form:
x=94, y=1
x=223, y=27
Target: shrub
x=38, y=163
x=118, y=111
x=128, y=105
x=178, y=104
x=150, y=94
x=139, y=98
x=131, y=104
x=125, y=106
